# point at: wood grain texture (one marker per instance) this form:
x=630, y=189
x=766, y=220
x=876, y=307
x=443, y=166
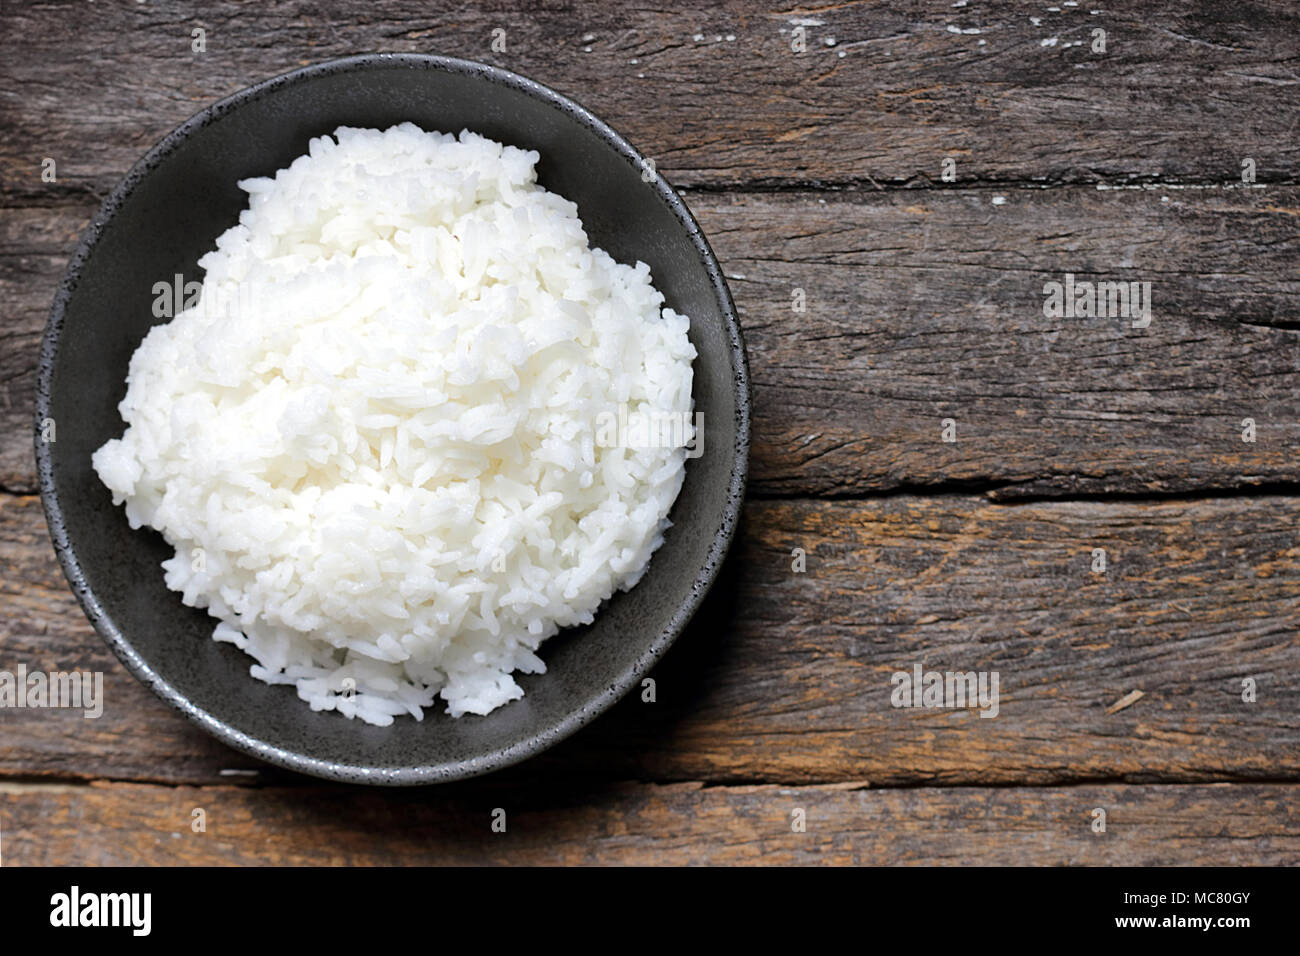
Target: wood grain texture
x=921, y=307
x=675, y=824
x=786, y=677
x=883, y=93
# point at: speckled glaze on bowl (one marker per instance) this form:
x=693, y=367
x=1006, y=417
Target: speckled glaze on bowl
x=168, y=212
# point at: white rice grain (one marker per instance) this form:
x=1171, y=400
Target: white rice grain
x=371, y=441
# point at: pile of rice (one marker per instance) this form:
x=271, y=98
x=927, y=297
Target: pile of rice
x=373, y=441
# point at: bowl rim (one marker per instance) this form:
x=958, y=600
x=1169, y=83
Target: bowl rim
x=359, y=772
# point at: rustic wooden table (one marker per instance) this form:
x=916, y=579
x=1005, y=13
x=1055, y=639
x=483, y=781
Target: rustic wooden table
x=1163, y=149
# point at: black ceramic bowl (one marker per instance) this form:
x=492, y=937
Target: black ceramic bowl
x=168, y=212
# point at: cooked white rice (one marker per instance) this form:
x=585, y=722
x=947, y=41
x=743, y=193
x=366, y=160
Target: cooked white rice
x=374, y=441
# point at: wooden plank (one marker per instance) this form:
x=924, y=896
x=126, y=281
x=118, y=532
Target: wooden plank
x=35, y=244
x=787, y=677
x=675, y=824
x=921, y=307
x=883, y=93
